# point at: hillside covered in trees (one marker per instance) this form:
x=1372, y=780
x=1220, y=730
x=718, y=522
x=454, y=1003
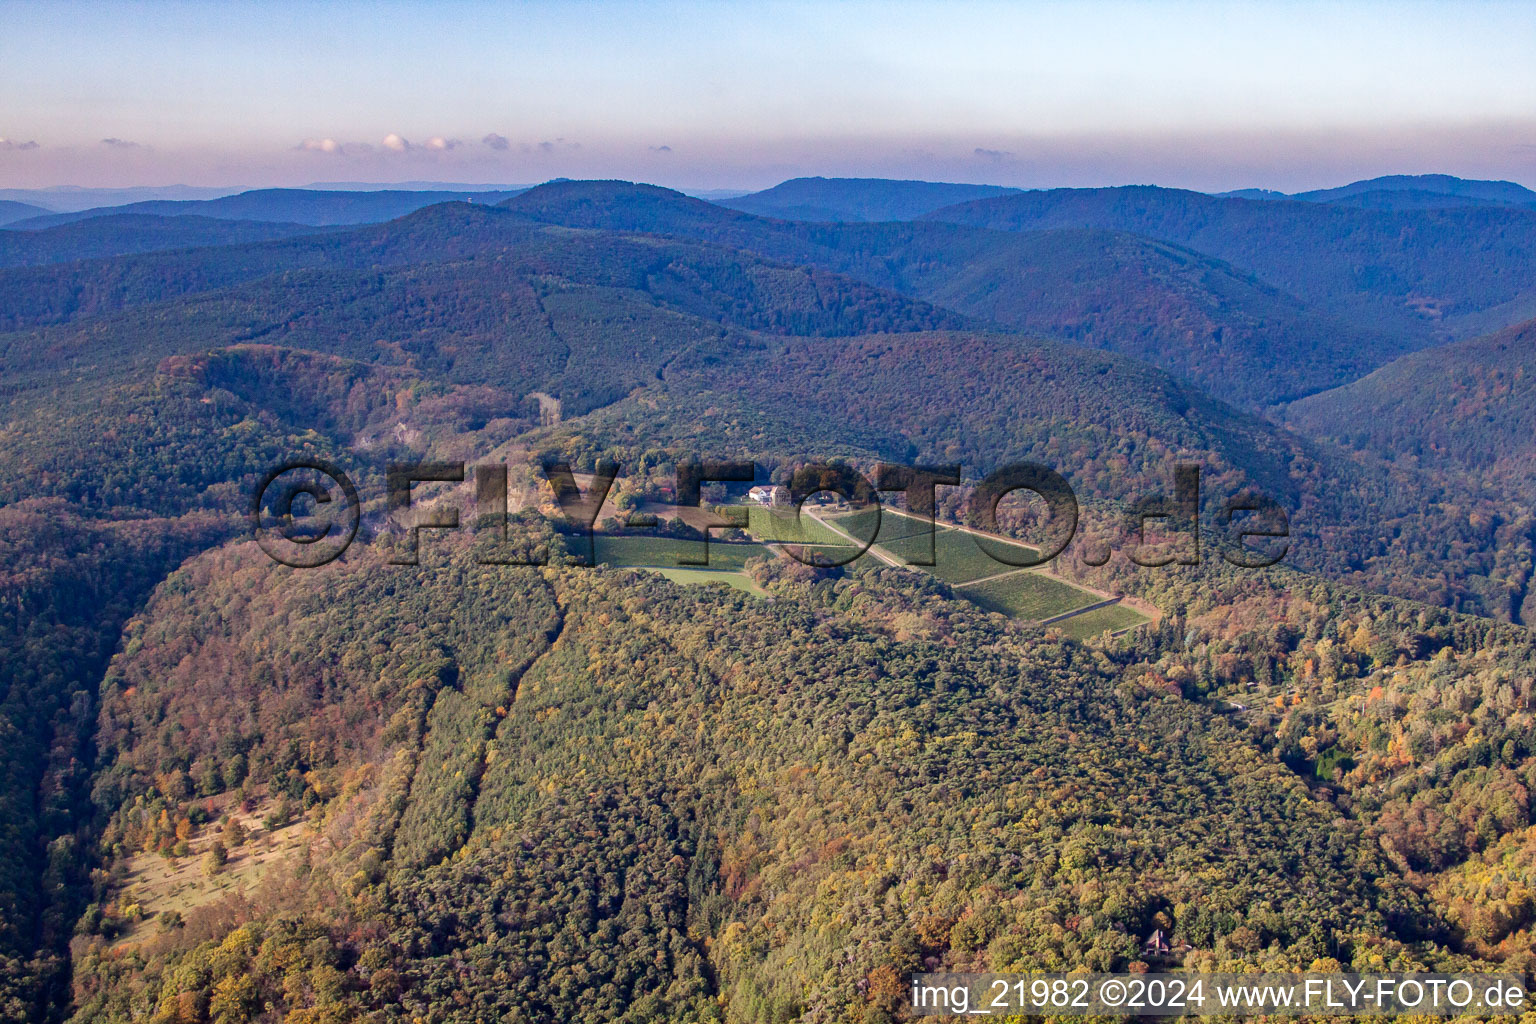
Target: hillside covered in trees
x=585, y=796
x=1469, y=406
x=1462, y=271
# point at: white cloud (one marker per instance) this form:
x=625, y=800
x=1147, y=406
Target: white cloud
x=394, y=142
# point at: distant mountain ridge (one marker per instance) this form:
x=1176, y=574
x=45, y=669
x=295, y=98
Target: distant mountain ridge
x=73, y=199
x=288, y=205
x=1258, y=302
x=487, y=276
x=1405, y=192
x=1436, y=184
x=1415, y=199
x=70, y=198
x=858, y=199
x=883, y=199
x=1213, y=323
x=1227, y=331
x=128, y=234
x=1210, y=322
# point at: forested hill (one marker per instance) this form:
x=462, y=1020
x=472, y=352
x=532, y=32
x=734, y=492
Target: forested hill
x=100, y=407
x=1414, y=199
x=1468, y=407
x=1173, y=307
x=1217, y=325
x=595, y=796
x=285, y=205
x=1458, y=272
x=857, y=199
x=348, y=294
x=54, y=294
x=11, y=211
x=70, y=582
x=440, y=234
x=985, y=400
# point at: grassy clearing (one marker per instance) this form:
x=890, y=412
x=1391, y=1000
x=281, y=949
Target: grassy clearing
x=1113, y=618
x=157, y=884
x=664, y=552
x=735, y=580
x=1029, y=595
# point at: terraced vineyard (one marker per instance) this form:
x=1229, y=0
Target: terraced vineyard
x=781, y=526
x=996, y=586
x=893, y=526
x=956, y=558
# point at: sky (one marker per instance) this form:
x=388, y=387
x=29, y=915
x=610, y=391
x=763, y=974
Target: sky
x=742, y=95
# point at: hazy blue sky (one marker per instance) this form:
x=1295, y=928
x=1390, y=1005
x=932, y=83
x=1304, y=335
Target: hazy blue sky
x=1205, y=95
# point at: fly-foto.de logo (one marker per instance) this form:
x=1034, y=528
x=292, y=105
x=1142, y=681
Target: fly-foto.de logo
x=307, y=512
